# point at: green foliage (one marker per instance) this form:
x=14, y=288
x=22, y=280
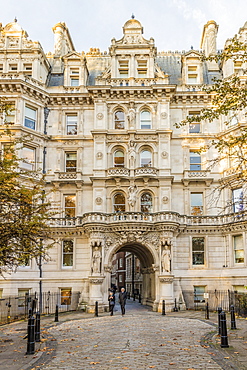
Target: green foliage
x=24, y=209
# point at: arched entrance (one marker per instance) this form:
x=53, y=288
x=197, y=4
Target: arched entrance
x=148, y=259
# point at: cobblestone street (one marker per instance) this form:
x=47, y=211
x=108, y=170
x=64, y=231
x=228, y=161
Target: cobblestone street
x=140, y=340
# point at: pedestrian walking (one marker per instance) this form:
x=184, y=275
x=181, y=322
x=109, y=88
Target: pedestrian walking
x=122, y=300
x=111, y=299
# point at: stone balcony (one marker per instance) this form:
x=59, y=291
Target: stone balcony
x=146, y=171
x=190, y=176
x=166, y=217
x=65, y=176
x=118, y=172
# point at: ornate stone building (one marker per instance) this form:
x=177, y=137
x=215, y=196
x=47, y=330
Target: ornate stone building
x=101, y=127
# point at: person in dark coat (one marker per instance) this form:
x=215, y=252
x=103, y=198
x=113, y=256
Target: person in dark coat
x=122, y=300
x=111, y=299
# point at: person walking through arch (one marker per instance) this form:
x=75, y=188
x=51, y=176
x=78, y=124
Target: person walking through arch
x=111, y=299
x=122, y=300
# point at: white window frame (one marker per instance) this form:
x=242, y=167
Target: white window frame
x=200, y=207
x=237, y=250
x=68, y=168
x=27, y=164
x=69, y=208
x=74, y=125
x=142, y=159
x=145, y=123
x=198, y=251
x=30, y=117
x=64, y=254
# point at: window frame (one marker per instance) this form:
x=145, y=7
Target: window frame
x=237, y=202
x=119, y=124
x=66, y=253
x=63, y=301
x=150, y=164
x=235, y=250
x=68, y=208
x=142, y=204
x=25, y=165
x=195, y=250
x=200, y=211
x=121, y=165
x=144, y=121
x=28, y=119
x=71, y=131
x=196, y=163
x=121, y=205
x=74, y=168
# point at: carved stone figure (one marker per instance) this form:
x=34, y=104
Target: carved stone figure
x=165, y=259
x=96, y=260
x=131, y=117
x=132, y=154
x=132, y=195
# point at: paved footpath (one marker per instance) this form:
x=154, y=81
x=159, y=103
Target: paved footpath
x=142, y=339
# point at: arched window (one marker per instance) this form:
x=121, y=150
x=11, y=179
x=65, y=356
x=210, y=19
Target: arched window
x=119, y=119
x=146, y=202
x=118, y=158
x=146, y=158
x=119, y=203
x=146, y=122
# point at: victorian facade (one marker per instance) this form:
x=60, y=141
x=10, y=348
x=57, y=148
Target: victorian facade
x=101, y=127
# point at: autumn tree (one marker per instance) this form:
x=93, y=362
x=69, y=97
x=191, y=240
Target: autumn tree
x=24, y=210
x=228, y=103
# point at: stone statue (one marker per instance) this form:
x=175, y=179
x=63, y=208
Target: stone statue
x=96, y=260
x=132, y=195
x=131, y=117
x=132, y=153
x=165, y=259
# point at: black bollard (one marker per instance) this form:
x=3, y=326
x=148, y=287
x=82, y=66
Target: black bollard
x=56, y=314
x=30, y=336
x=207, y=312
x=140, y=298
x=37, y=327
x=219, y=312
x=96, y=311
x=134, y=297
x=163, y=307
x=223, y=330
x=175, y=306
x=233, y=320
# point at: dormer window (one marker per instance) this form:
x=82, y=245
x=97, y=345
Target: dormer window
x=123, y=68
x=74, y=77
x=142, y=68
x=192, y=75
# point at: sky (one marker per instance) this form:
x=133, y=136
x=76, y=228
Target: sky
x=174, y=24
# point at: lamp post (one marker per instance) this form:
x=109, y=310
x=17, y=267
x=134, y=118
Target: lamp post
x=46, y=114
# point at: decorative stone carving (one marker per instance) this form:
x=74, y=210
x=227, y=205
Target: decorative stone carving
x=164, y=154
x=163, y=115
x=96, y=261
x=132, y=195
x=96, y=280
x=98, y=200
x=165, y=199
x=166, y=280
x=108, y=268
x=166, y=259
x=99, y=155
x=131, y=117
x=100, y=116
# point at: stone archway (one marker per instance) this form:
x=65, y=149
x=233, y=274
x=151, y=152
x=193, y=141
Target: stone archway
x=149, y=268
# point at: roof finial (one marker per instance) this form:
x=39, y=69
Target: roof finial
x=133, y=17
x=15, y=20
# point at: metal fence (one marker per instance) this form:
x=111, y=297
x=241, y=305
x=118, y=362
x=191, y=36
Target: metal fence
x=16, y=308
x=216, y=298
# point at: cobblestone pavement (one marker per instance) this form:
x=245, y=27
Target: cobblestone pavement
x=139, y=340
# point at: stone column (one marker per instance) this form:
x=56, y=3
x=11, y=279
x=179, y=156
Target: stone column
x=96, y=293
x=166, y=292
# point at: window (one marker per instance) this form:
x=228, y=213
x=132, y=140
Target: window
x=119, y=203
x=74, y=77
x=23, y=297
x=118, y=158
x=66, y=296
x=120, y=262
x=28, y=156
x=192, y=76
x=119, y=119
x=146, y=158
x=9, y=116
x=142, y=68
x=69, y=205
x=1, y=293
x=238, y=249
x=67, y=253
x=28, y=69
x=30, y=118
x=196, y=204
x=198, y=251
x=195, y=161
x=1, y=67
x=120, y=278
x=194, y=127
x=199, y=294
x=146, y=202
x=237, y=200
x=146, y=122
x=70, y=161
x=123, y=68
x=71, y=124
